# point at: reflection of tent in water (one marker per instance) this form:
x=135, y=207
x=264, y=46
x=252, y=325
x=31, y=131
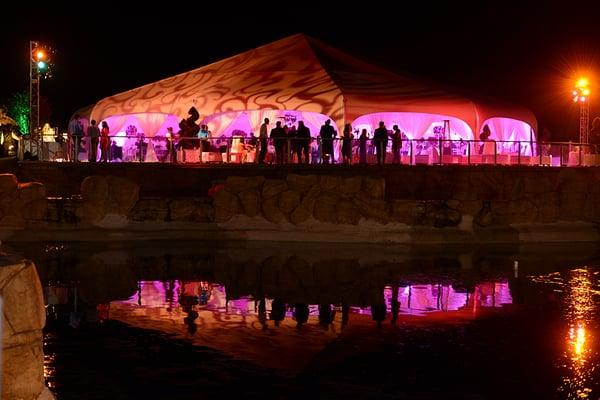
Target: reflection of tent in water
x=9, y=140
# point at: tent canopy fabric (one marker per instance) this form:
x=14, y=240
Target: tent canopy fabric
x=301, y=73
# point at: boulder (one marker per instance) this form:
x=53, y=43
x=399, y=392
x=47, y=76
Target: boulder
x=122, y=194
x=374, y=188
x=31, y=191
x=183, y=209
x=347, y=213
x=288, y=201
x=237, y=184
x=23, y=320
x=34, y=210
x=351, y=185
x=301, y=183
x=226, y=205
x=8, y=183
x=270, y=210
x=272, y=188
x=325, y=207
x=250, y=201
x=330, y=182
x=150, y=210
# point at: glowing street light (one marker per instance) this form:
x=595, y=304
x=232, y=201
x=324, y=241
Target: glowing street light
x=581, y=95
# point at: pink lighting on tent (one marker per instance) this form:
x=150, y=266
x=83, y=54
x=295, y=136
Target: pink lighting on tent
x=414, y=125
x=511, y=131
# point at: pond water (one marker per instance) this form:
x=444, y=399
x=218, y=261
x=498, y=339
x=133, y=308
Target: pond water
x=188, y=321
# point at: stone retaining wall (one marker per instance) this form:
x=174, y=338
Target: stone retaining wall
x=422, y=204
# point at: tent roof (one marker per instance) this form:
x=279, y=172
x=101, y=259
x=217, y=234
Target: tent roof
x=302, y=73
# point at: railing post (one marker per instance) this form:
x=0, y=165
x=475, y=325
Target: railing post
x=519, y=155
x=411, y=152
x=468, y=152
x=495, y=153
x=539, y=149
x=228, y=150
x=580, y=161
x=440, y=151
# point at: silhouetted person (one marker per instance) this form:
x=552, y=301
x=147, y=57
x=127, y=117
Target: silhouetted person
x=262, y=313
x=277, y=311
x=187, y=303
x=279, y=140
x=303, y=142
x=345, y=314
x=263, y=138
x=192, y=327
x=347, y=139
x=396, y=144
x=363, y=140
x=301, y=314
x=380, y=137
x=326, y=314
x=378, y=313
x=327, y=134
x=93, y=134
x=76, y=134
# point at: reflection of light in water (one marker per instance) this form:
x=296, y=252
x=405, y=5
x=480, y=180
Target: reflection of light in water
x=580, y=356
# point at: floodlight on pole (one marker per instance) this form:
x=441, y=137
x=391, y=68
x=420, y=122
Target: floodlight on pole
x=581, y=95
x=39, y=67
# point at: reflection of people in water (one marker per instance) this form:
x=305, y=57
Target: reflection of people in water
x=345, y=314
x=378, y=313
x=395, y=304
x=262, y=313
x=187, y=303
x=326, y=315
x=301, y=314
x=277, y=311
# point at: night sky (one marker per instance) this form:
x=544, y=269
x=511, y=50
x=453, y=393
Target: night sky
x=527, y=54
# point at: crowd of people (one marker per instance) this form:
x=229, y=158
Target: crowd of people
x=292, y=144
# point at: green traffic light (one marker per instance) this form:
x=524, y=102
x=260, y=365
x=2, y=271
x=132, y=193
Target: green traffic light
x=41, y=65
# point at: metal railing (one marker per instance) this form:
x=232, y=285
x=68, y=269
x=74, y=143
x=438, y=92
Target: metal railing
x=328, y=151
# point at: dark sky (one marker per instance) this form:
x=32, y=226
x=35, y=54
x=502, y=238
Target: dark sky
x=526, y=53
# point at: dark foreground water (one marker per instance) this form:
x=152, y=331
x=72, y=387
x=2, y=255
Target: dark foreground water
x=195, y=321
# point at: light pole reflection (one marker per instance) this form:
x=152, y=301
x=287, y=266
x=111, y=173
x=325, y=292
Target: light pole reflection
x=580, y=357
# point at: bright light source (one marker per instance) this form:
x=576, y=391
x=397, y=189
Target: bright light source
x=40, y=55
x=41, y=65
x=582, y=83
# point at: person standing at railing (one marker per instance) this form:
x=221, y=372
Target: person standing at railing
x=104, y=142
x=76, y=133
x=380, y=137
x=303, y=138
x=263, y=138
x=279, y=138
x=93, y=134
x=362, y=147
x=396, y=144
x=327, y=134
x=171, y=146
x=347, y=144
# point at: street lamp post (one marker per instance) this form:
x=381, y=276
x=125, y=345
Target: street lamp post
x=581, y=95
x=38, y=68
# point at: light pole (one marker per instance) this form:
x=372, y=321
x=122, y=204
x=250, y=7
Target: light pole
x=581, y=95
x=38, y=68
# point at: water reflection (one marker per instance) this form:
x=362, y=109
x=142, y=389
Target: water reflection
x=581, y=354
x=284, y=308
x=580, y=359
